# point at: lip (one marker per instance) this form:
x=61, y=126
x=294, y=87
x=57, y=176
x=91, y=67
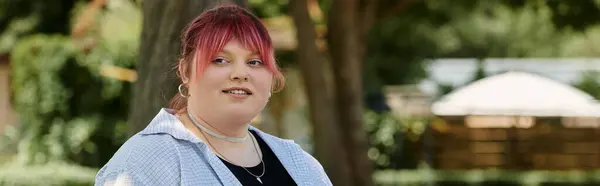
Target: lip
x=238, y=95
x=239, y=88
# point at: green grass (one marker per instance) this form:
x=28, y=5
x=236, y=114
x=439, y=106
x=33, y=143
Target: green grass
x=48, y=174
x=484, y=177
x=75, y=175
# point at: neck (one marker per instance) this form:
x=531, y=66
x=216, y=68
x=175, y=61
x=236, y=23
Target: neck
x=242, y=154
x=227, y=127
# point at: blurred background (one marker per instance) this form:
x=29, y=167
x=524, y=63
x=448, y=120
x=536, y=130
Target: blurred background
x=382, y=92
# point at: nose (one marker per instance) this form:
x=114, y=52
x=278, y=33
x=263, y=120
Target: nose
x=245, y=78
x=239, y=73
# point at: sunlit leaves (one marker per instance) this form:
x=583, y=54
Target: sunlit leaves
x=37, y=90
x=120, y=29
x=269, y=8
x=388, y=135
x=16, y=28
x=36, y=83
x=62, y=98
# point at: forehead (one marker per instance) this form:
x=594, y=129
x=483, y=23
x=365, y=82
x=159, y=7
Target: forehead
x=234, y=46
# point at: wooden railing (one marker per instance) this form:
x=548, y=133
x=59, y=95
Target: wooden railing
x=543, y=146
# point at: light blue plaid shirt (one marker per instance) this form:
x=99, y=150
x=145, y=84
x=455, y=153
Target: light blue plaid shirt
x=166, y=153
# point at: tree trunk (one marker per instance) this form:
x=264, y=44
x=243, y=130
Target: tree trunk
x=346, y=48
x=164, y=21
x=328, y=147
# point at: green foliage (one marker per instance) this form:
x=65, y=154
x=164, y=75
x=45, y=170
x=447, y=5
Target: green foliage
x=48, y=174
x=120, y=30
x=491, y=29
x=394, y=140
x=68, y=110
x=269, y=8
x=401, y=40
x=577, y=15
x=398, y=44
x=14, y=31
x=52, y=15
x=38, y=92
x=62, y=102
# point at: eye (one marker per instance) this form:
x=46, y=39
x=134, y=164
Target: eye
x=219, y=60
x=256, y=62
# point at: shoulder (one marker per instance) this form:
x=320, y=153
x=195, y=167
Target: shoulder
x=304, y=162
x=308, y=162
x=288, y=145
x=142, y=159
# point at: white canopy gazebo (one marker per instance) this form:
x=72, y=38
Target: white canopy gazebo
x=517, y=94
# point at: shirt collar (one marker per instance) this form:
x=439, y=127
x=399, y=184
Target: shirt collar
x=286, y=151
x=165, y=122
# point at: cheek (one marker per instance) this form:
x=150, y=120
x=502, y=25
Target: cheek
x=210, y=81
x=263, y=82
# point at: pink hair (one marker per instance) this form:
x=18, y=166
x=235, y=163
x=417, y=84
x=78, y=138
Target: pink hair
x=208, y=33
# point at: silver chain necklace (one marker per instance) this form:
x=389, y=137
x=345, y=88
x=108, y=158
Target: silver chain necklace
x=212, y=133
x=255, y=149
x=203, y=129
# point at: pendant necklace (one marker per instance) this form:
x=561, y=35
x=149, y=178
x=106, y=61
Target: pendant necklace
x=221, y=155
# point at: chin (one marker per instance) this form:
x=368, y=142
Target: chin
x=243, y=113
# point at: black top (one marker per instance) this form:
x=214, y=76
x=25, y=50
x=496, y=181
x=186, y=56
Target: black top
x=275, y=174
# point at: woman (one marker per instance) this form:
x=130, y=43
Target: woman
x=228, y=72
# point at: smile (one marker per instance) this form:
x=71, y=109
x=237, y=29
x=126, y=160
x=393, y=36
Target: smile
x=239, y=92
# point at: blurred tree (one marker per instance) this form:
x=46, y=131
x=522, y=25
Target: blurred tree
x=53, y=15
x=22, y=18
x=69, y=111
x=163, y=22
x=269, y=8
x=399, y=40
x=396, y=44
x=577, y=15
x=328, y=144
x=338, y=127
x=348, y=23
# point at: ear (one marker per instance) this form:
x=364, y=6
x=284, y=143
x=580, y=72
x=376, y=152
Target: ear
x=183, y=71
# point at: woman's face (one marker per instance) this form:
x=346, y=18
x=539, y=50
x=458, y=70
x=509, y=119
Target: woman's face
x=235, y=83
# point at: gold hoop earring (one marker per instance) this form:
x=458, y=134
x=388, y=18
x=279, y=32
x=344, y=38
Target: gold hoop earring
x=180, y=88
